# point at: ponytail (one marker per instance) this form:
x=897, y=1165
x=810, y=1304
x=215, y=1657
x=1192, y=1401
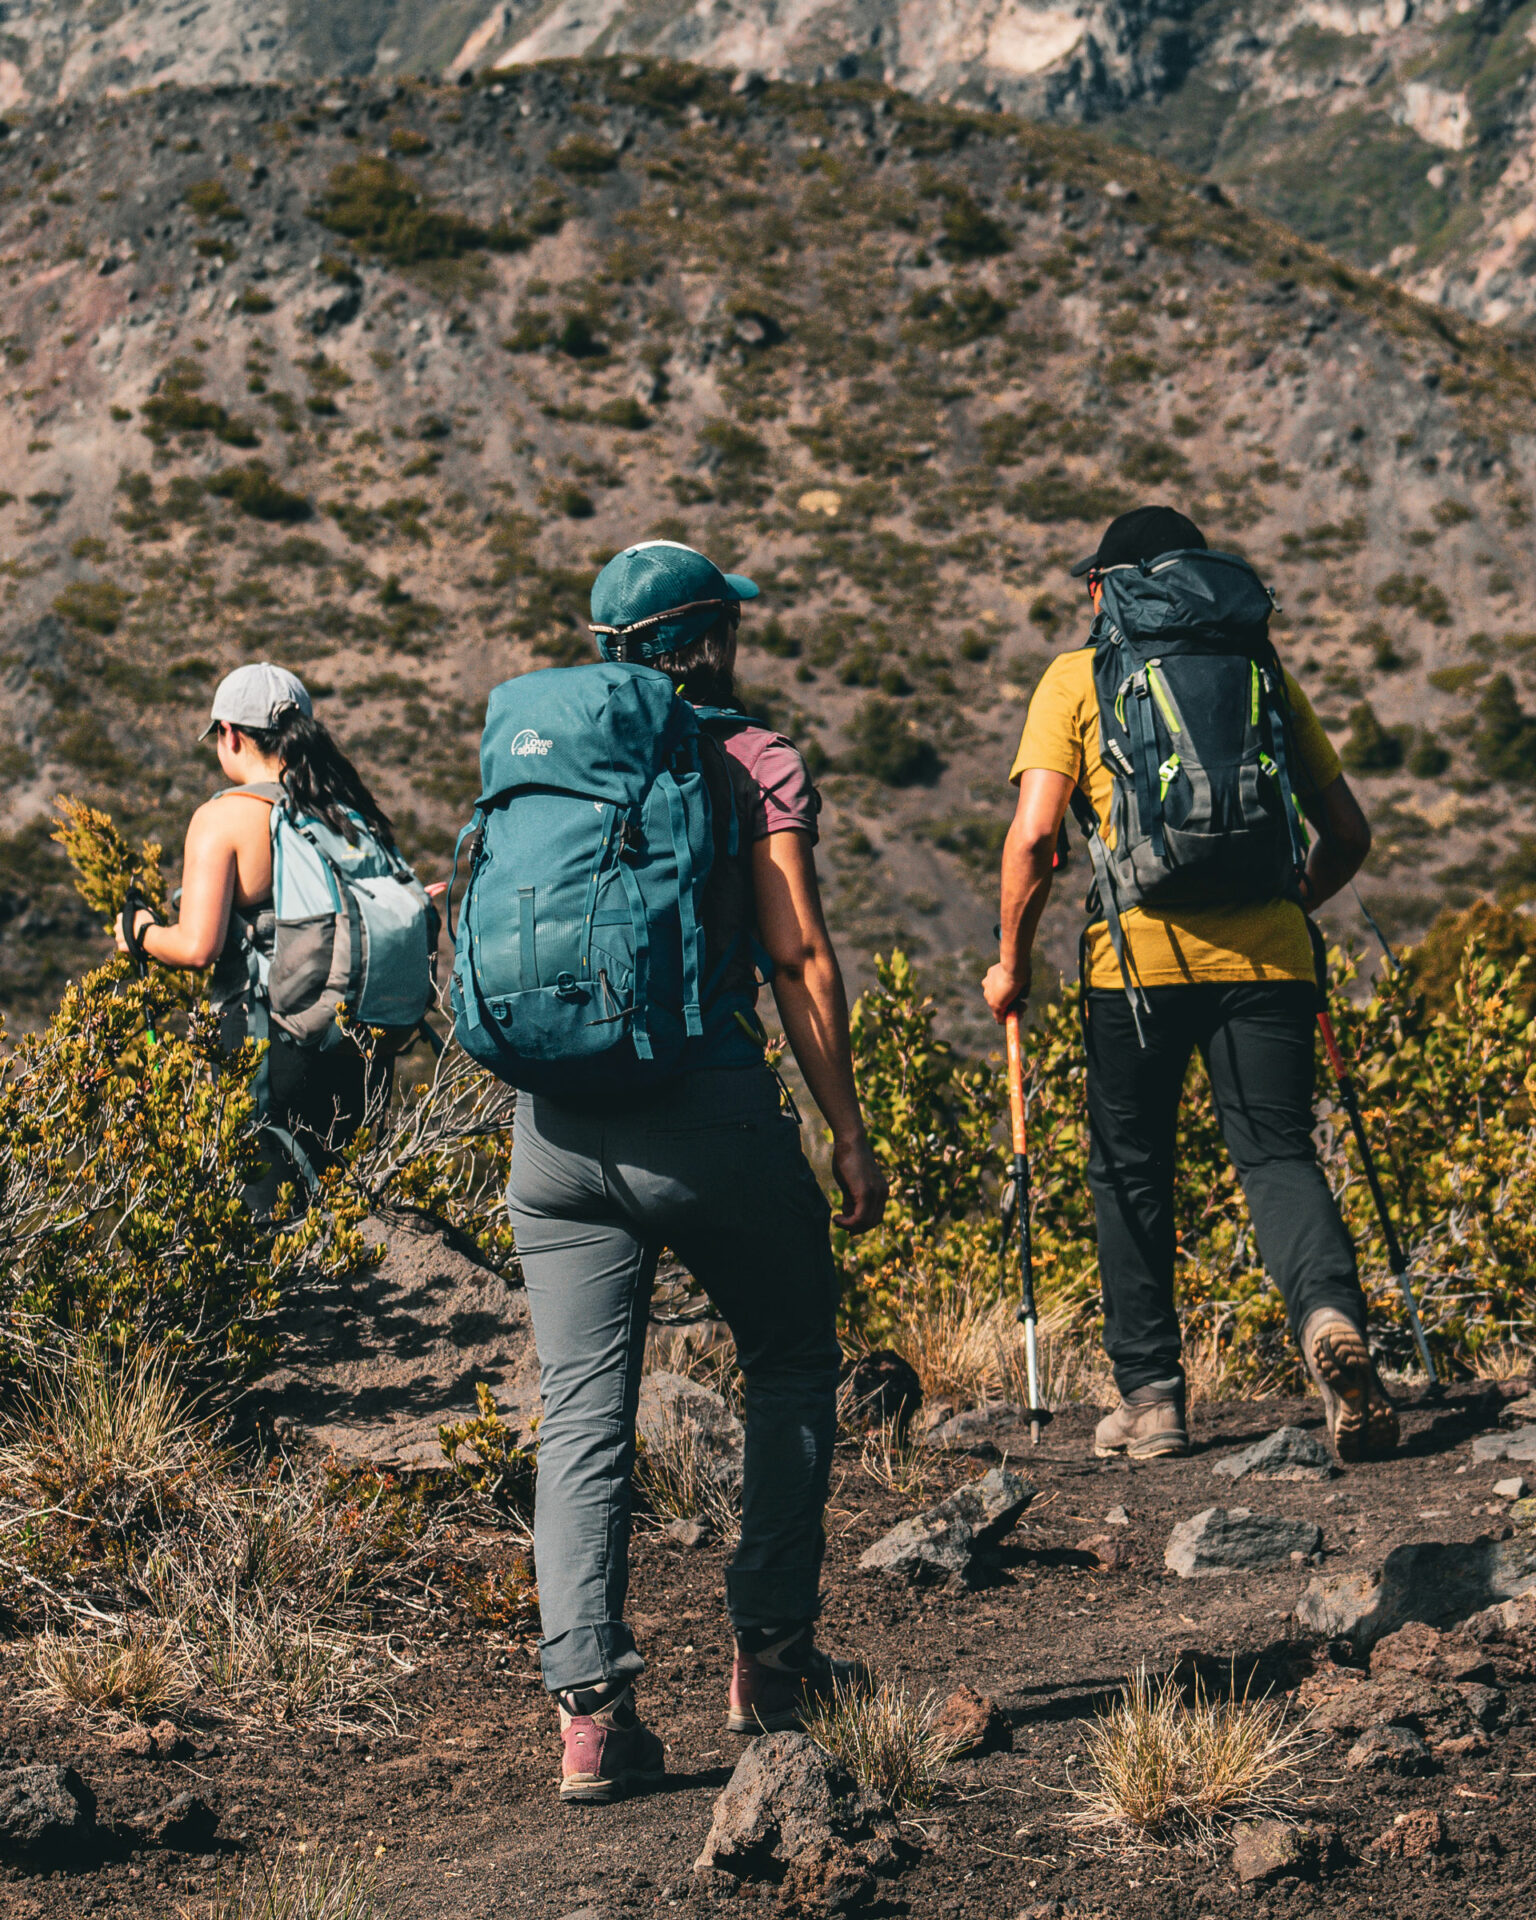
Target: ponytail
x=319, y=779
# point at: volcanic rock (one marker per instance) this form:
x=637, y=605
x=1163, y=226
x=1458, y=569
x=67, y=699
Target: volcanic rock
x=44, y=1811
x=1519, y=1445
x=673, y=1405
x=1411, y=1836
x=878, y=1387
x=1272, y=1850
x=1234, y=1540
x=1432, y=1581
x=1390, y=1749
x=970, y=1723
x=958, y=1538
x=1289, y=1453
x=787, y=1807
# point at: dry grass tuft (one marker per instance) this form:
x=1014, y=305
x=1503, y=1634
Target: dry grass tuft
x=132, y=1674
x=678, y=1473
x=890, y=1459
x=1503, y=1360
x=700, y=1352
x=966, y=1345
x=106, y=1438
x=886, y=1739
x=1165, y=1769
x=331, y=1887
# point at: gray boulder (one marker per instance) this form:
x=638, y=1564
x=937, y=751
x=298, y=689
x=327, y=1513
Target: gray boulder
x=1437, y=1582
x=671, y=1405
x=980, y=1430
x=328, y=305
x=44, y=1811
x=958, y=1538
x=1235, y=1540
x=1269, y=1850
x=788, y=1805
x=1390, y=1749
x=1519, y=1445
x=1289, y=1453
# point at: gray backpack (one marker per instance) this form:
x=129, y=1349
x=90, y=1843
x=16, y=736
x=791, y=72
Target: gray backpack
x=1194, y=725
x=350, y=924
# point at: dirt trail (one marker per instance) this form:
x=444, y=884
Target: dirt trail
x=463, y=1804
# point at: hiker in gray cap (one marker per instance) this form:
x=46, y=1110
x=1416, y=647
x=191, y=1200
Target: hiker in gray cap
x=284, y=768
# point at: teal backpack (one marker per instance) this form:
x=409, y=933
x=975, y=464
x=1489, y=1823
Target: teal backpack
x=349, y=924
x=580, y=963
x=1194, y=726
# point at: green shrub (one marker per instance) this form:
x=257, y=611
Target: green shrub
x=95, y=604
x=1057, y=495
x=178, y=408
x=583, y=157
x=968, y=232
x=1442, y=1060
x=210, y=200
x=952, y=321
x=407, y=141
x=625, y=412
x=1417, y=594
x=1427, y=759
x=1150, y=463
x=1504, y=745
x=884, y=744
x=253, y=490
x=1370, y=748
x=578, y=338
x=382, y=210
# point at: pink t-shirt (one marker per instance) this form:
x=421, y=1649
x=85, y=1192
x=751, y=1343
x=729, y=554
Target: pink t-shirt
x=780, y=796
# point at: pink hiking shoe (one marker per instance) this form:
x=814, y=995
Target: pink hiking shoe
x=776, y=1682
x=608, y=1752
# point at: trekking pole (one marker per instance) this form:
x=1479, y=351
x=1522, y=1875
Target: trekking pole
x=133, y=900
x=1397, y=1260
x=1020, y=1210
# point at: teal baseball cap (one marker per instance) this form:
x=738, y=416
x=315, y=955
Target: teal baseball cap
x=658, y=596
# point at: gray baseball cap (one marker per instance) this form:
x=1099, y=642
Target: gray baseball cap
x=254, y=696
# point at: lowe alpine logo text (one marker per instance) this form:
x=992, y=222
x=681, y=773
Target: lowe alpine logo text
x=529, y=742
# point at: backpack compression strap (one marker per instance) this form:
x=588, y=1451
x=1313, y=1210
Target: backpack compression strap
x=1109, y=903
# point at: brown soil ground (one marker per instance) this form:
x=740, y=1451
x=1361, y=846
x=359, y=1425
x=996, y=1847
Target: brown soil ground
x=462, y=1801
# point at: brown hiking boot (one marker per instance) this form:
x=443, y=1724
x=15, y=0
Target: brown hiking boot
x=1362, y=1421
x=776, y=1681
x=1148, y=1424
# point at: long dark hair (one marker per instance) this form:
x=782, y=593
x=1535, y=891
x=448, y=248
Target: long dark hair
x=705, y=670
x=318, y=777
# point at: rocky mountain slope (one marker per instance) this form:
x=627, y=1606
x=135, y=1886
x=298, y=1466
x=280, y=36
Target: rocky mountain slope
x=1400, y=133
x=369, y=379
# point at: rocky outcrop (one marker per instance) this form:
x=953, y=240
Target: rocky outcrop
x=1431, y=1581
x=1224, y=1540
x=955, y=1540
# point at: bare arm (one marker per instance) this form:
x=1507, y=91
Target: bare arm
x=207, y=891
x=808, y=988
x=1029, y=855
x=1343, y=839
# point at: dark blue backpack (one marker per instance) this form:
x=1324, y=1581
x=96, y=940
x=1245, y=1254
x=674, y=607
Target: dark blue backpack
x=580, y=960
x=1194, y=725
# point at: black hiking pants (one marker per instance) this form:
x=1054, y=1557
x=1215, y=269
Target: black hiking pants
x=1256, y=1041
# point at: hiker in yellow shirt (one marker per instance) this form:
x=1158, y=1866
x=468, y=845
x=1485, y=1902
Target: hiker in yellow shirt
x=1195, y=782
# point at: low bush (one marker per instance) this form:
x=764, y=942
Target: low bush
x=383, y=211
x=885, y=745
x=1370, y=748
x=1442, y=1062
x=253, y=490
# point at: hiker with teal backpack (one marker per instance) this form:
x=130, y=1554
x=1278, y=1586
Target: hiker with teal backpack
x=1194, y=764
x=294, y=892
x=642, y=852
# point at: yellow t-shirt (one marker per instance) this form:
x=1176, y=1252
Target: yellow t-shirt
x=1175, y=946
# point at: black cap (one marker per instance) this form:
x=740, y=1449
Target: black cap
x=1141, y=534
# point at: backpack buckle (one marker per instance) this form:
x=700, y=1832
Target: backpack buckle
x=568, y=987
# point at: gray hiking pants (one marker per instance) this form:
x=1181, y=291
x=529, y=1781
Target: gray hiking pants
x=712, y=1169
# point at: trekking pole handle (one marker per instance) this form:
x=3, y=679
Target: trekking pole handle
x=134, y=903
x=1016, y=1111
